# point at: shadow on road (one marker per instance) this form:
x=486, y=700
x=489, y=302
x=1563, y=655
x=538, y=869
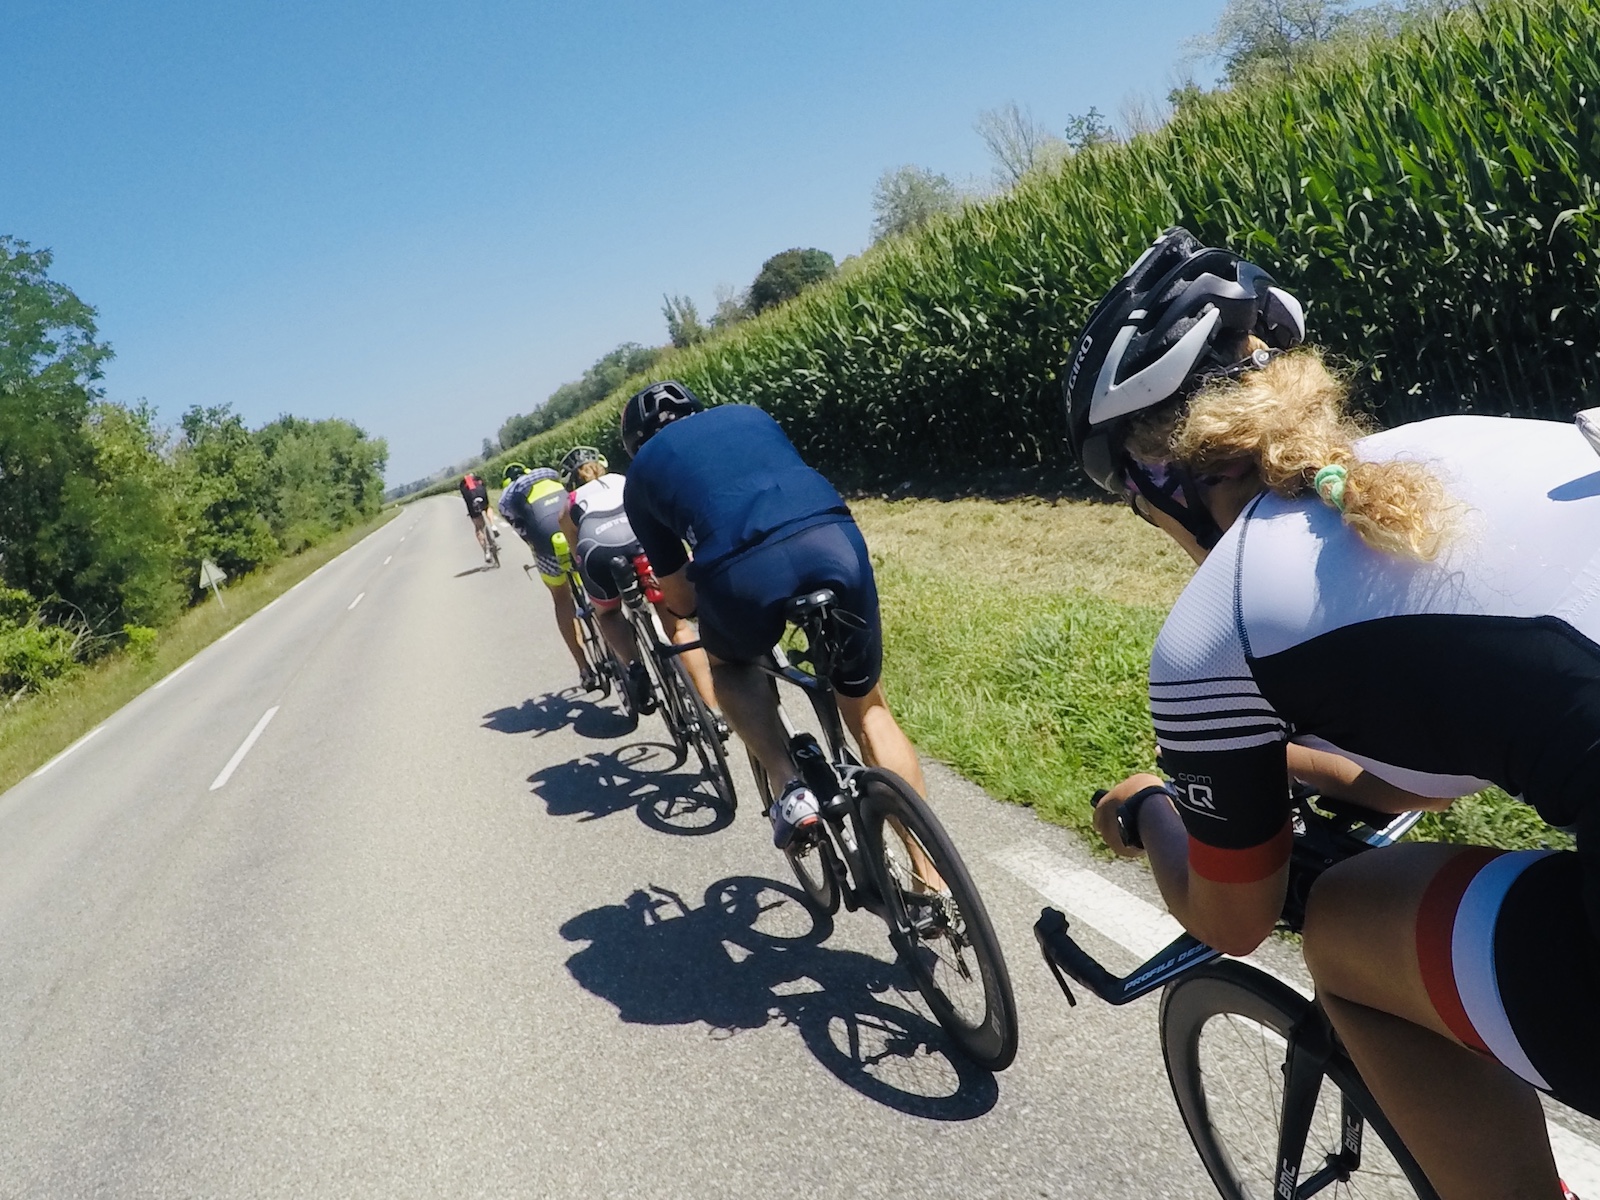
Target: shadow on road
x=752, y=956
x=558, y=710
x=474, y=571
x=644, y=777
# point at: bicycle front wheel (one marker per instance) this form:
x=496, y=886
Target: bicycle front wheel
x=1225, y=1031
x=701, y=729
x=948, y=941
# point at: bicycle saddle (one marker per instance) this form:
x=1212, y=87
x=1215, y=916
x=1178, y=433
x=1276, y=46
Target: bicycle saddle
x=801, y=607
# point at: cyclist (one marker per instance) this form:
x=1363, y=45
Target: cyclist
x=598, y=530
x=476, y=495
x=1394, y=618
x=532, y=503
x=763, y=527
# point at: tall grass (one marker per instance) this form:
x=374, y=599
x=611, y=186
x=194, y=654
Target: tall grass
x=1435, y=198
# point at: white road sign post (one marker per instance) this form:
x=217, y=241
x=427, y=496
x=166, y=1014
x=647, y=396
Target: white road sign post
x=210, y=576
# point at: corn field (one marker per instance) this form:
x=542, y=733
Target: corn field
x=1433, y=199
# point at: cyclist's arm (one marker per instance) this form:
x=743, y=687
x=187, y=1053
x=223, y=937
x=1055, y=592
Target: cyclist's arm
x=1334, y=775
x=1234, y=916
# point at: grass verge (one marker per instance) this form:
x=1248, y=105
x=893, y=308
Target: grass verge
x=1017, y=640
x=39, y=727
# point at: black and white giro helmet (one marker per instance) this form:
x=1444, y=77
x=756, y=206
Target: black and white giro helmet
x=1177, y=318
x=651, y=409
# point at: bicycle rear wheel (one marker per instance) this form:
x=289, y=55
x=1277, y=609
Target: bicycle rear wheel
x=951, y=949
x=811, y=862
x=1224, y=1032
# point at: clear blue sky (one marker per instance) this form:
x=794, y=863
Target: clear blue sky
x=425, y=216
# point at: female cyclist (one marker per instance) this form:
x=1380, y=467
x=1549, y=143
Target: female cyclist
x=1398, y=619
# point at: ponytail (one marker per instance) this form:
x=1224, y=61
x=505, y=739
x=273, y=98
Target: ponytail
x=1291, y=420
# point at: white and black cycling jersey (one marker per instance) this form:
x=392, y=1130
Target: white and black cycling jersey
x=1480, y=667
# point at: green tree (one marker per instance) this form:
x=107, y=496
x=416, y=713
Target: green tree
x=683, y=321
x=598, y=382
x=906, y=198
x=227, y=490
x=786, y=275
x=1088, y=130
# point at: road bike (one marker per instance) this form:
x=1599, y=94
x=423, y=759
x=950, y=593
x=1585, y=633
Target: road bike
x=1272, y=1102
x=607, y=670
x=491, y=541
x=688, y=718
x=881, y=848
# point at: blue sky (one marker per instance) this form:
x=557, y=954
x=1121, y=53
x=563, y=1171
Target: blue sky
x=425, y=216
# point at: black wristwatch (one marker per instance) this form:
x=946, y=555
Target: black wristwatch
x=1127, y=814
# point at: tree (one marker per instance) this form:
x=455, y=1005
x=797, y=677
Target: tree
x=227, y=485
x=1090, y=129
x=733, y=306
x=907, y=198
x=1017, y=142
x=1270, y=35
x=598, y=382
x=786, y=275
x=683, y=321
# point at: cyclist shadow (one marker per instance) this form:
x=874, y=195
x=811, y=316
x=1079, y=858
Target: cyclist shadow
x=558, y=710
x=642, y=776
x=473, y=571
x=752, y=956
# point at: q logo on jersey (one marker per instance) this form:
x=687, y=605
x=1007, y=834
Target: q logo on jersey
x=1194, y=793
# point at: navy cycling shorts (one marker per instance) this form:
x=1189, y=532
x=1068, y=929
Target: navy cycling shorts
x=741, y=605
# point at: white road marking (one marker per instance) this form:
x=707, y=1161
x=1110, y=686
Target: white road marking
x=356, y=601
x=68, y=751
x=244, y=748
x=402, y=537
x=171, y=675
x=388, y=560
x=1577, y=1158
x=231, y=632
x=1142, y=929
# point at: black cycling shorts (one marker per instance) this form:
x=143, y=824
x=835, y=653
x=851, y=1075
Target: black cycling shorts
x=741, y=604
x=1513, y=968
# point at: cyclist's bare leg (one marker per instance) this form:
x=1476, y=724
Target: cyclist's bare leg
x=618, y=634
x=884, y=744
x=1474, y=1127
x=750, y=703
x=567, y=623
x=694, y=661
x=477, y=532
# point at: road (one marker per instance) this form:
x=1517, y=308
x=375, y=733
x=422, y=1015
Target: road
x=365, y=900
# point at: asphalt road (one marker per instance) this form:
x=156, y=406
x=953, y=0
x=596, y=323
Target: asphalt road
x=449, y=929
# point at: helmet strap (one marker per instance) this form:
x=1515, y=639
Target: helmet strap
x=1190, y=512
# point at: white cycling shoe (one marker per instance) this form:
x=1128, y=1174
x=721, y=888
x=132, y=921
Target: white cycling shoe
x=796, y=813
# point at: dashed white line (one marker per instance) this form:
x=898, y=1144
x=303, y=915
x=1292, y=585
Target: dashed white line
x=388, y=560
x=244, y=748
x=171, y=675
x=356, y=601
x=1142, y=929
x=68, y=751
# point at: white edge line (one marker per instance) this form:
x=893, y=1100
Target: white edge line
x=356, y=601
x=1142, y=929
x=230, y=633
x=171, y=675
x=244, y=748
x=67, y=751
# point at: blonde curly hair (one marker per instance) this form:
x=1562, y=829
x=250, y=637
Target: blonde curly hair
x=1289, y=420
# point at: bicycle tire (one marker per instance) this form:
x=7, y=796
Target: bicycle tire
x=812, y=862
x=702, y=734
x=594, y=651
x=951, y=931
x=1230, y=1098
x=670, y=702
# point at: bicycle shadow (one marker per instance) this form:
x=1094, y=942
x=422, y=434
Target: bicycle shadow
x=751, y=956
x=474, y=571
x=642, y=776
x=558, y=710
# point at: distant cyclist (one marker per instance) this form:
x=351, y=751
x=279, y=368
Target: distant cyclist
x=764, y=527
x=532, y=503
x=475, y=492
x=1398, y=619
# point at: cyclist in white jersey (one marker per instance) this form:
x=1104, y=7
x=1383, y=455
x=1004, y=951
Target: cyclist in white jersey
x=1398, y=619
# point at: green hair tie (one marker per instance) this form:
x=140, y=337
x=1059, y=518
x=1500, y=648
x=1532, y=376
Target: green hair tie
x=1329, y=484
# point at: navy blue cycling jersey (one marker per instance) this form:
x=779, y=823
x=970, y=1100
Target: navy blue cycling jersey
x=724, y=480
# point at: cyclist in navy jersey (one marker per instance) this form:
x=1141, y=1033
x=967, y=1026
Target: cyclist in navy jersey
x=763, y=527
x=1398, y=619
